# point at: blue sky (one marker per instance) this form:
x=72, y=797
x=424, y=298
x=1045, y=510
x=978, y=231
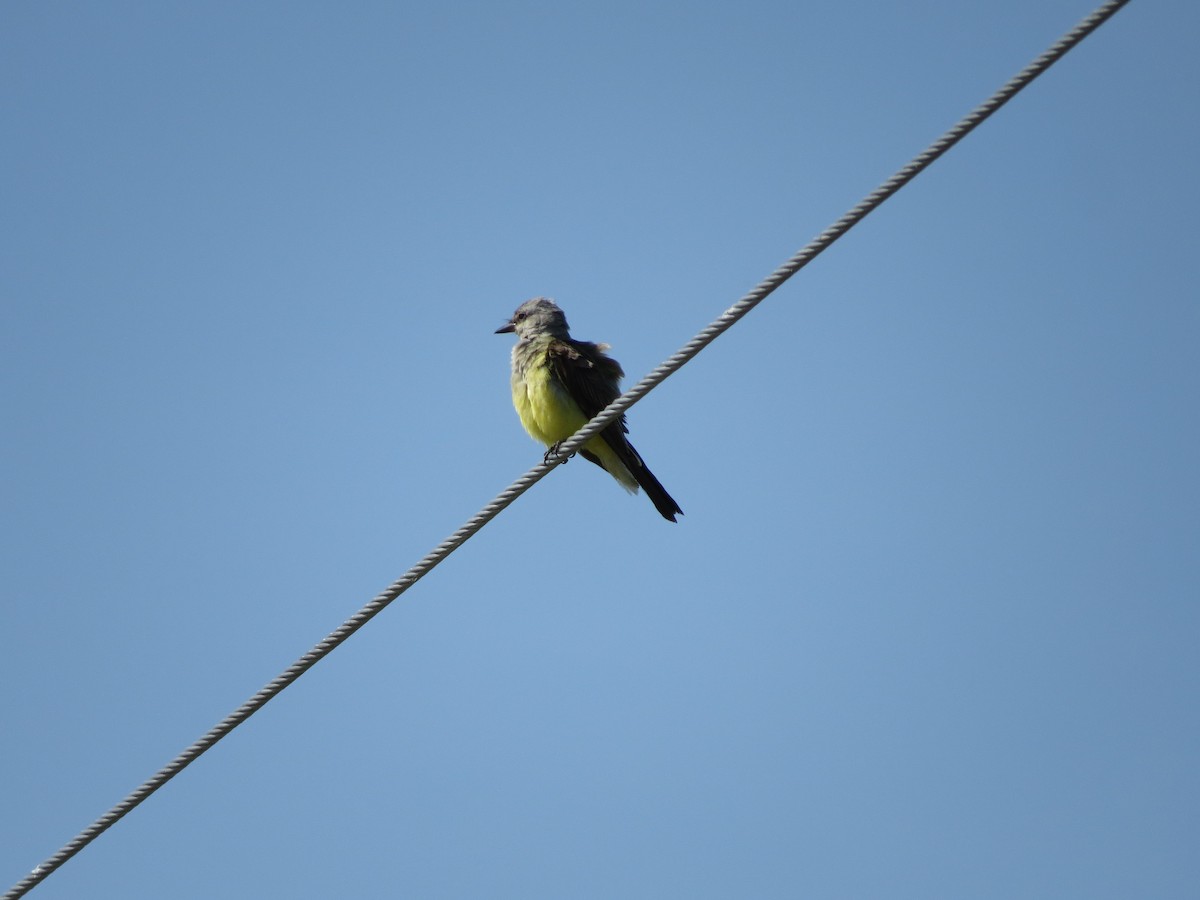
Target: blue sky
x=928, y=627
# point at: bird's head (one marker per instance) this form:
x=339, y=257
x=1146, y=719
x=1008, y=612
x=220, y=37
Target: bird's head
x=540, y=315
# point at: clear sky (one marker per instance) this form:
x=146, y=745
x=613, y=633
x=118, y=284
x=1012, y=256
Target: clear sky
x=929, y=625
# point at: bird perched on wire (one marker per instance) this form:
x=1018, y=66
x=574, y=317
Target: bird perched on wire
x=559, y=383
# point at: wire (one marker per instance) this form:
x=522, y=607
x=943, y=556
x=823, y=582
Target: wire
x=607, y=415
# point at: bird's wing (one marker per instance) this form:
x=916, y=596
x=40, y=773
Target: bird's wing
x=590, y=377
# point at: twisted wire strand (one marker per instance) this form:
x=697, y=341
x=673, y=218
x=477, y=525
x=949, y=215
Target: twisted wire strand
x=822, y=241
x=672, y=364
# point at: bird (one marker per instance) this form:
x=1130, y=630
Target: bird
x=559, y=383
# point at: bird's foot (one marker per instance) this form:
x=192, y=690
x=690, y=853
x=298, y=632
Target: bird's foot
x=554, y=455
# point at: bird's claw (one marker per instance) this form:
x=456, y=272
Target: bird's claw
x=553, y=454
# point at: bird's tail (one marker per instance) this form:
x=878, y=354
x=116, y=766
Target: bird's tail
x=625, y=464
x=658, y=495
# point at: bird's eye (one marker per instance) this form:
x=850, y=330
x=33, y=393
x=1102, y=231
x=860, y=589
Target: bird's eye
x=521, y=315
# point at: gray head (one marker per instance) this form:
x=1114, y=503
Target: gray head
x=540, y=315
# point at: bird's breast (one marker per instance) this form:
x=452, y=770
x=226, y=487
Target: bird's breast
x=543, y=405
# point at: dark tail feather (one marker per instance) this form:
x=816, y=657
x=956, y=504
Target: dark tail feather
x=632, y=460
x=658, y=495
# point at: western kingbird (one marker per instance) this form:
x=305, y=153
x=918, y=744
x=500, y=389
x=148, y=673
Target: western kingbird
x=558, y=384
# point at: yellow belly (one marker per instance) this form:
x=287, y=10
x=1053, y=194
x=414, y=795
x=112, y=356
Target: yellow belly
x=546, y=410
x=550, y=415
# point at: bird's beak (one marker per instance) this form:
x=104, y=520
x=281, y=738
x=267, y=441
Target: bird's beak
x=507, y=328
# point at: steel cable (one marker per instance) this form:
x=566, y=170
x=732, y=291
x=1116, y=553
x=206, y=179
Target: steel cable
x=814, y=248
